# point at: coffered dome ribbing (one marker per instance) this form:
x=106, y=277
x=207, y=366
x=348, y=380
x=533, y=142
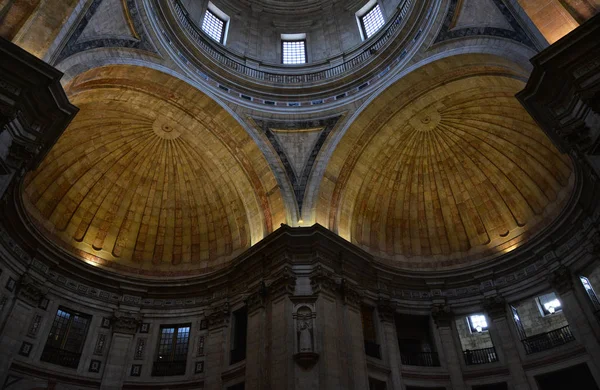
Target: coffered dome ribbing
x=444, y=174
x=153, y=176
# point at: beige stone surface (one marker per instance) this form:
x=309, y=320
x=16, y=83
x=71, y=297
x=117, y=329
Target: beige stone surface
x=153, y=177
x=442, y=169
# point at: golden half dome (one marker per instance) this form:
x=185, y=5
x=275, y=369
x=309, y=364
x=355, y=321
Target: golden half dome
x=446, y=173
x=153, y=177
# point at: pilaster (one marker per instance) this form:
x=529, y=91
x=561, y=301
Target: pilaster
x=443, y=317
x=216, y=353
x=504, y=342
x=389, y=341
x=124, y=325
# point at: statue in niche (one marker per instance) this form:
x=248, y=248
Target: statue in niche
x=305, y=330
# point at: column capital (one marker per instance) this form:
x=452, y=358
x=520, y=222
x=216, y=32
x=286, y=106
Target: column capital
x=561, y=279
x=31, y=291
x=495, y=306
x=386, y=310
x=124, y=322
x=442, y=315
x=218, y=316
x=283, y=283
x=257, y=299
x=350, y=293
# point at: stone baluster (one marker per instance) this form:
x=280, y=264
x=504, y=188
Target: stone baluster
x=504, y=342
x=389, y=341
x=124, y=326
x=444, y=318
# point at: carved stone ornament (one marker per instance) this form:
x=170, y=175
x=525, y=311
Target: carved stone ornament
x=561, y=280
x=442, y=315
x=304, y=322
x=323, y=280
x=218, y=316
x=495, y=306
x=257, y=299
x=386, y=310
x=31, y=291
x=126, y=323
x=282, y=284
x=350, y=293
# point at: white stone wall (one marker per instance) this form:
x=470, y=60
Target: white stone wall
x=533, y=321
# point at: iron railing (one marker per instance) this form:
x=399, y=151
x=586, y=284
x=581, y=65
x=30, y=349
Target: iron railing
x=60, y=357
x=169, y=368
x=548, y=340
x=480, y=356
x=372, y=349
x=236, y=63
x=424, y=359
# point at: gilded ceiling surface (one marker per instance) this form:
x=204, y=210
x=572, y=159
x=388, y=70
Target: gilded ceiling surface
x=443, y=169
x=153, y=177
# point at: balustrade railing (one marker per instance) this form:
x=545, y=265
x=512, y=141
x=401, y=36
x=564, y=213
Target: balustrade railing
x=548, y=340
x=169, y=368
x=424, y=359
x=236, y=63
x=372, y=349
x=60, y=357
x=480, y=356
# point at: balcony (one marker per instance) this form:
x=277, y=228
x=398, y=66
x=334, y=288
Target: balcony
x=175, y=367
x=60, y=357
x=423, y=359
x=544, y=341
x=372, y=349
x=480, y=356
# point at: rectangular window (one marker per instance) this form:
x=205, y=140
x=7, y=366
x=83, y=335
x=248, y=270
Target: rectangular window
x=66, y=338
x=239, y=336
x=369, y=332
x=371, y=21
x=214, y=26
x=172, y=350
x=590, y=292
x=293, y=51
x=549, y=304
x=477, y=323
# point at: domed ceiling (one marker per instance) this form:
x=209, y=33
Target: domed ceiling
x=444, y=168
x=153, y=177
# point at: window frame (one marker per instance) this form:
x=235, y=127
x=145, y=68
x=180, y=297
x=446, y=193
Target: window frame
x=472, y=326
x=283, y=41
x=219, y=18
x=67, y=327
x=591, y=293
x=361, y=14
x=173, y=353
x=542, y=307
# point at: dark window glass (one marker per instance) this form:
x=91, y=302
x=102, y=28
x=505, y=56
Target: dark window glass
x=239, y=335
x=66, y=338
x=172, y=350
x=590, y=292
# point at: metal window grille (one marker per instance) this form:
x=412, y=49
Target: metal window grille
x=372, y=21
x=294, y=52
x=214, y=26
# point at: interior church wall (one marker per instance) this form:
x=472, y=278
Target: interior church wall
x=472, y=340
x=330, y=33
x=533, y=321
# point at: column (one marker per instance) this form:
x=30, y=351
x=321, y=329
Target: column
x=504, y=342
x=255, y=349
x=443, y=317
x=562, y=282
x=124, y=326
x=389, y=342
x=216, y=353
